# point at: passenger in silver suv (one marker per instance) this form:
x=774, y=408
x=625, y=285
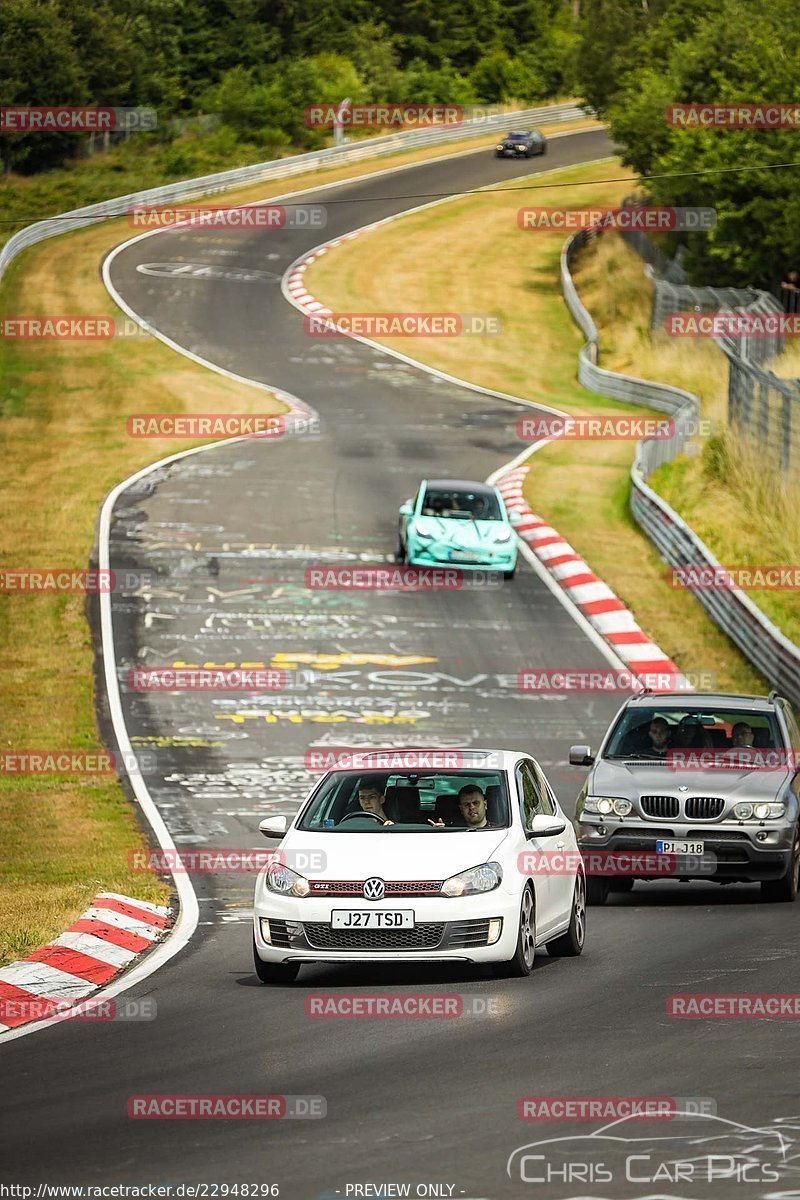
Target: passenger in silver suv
x=693, y=786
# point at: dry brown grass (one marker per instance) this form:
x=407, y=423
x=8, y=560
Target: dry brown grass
x=64, y=447
x=747, y=515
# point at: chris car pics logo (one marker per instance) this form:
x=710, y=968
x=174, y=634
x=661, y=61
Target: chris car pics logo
x=708, y=1150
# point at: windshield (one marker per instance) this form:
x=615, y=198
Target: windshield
x=653, y=732
x=480, y=506
x=517, y=137
x=419, y=802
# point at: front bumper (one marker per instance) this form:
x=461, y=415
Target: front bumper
x=444, y=930
x=500, y=558
x=732, y=852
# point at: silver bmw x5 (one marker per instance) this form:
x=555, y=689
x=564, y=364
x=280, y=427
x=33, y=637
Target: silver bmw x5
x=689, y=786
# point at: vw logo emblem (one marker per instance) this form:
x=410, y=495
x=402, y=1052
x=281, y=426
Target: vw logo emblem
x=374, y=889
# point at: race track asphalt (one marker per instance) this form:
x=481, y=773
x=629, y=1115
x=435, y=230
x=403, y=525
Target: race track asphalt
x=229, y=533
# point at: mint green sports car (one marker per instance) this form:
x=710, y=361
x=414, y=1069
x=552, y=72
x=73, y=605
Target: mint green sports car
x=459, y=523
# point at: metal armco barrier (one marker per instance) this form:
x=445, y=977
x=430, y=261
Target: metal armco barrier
x=770, y=652
x=282, y=168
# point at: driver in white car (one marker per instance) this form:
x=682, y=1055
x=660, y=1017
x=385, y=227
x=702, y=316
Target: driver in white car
x=371, y=799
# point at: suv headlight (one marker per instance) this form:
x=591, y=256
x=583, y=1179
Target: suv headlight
x=285, y=882
x=762, y=811
x=605, y=805
x=484, y=878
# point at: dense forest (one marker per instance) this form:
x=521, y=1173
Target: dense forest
x=258, y=63
x=239, y=74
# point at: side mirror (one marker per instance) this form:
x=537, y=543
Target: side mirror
x=274, y=827
x=543, y=825
x=580, y=756
x=407, y=509
x=515, y=517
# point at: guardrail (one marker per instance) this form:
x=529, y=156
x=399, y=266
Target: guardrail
x=770, y=651
x=281, y=168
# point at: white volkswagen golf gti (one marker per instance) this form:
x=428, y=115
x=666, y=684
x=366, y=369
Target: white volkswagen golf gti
x=423, y=856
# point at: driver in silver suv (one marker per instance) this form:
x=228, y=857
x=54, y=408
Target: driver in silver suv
x=693, y=786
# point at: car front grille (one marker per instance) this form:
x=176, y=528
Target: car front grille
x=355, y=887
x=704, y=808
x=663, y=808
x=421, y=937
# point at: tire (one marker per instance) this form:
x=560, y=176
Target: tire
x=274, y=972
x=510, y=574
x=596, y=890
x=400, y=553
x=784, y=890
x=622, y=883
x=521, y=964
x=543, y=149
x=570, y=944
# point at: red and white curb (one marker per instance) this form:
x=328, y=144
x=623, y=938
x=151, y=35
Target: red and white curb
x=604, y=611
x=106, y=939
x=295, y=281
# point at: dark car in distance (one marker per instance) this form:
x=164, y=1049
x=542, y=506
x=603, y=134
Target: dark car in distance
x=523, y=144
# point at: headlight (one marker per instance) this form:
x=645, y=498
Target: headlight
x=422, y=532
x=499, y=146
x=484, y=878
x=285, y=882
x=607, y=804
x=758, y=812
x=503, y=536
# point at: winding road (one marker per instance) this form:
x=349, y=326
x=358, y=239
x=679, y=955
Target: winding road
x=229, y=533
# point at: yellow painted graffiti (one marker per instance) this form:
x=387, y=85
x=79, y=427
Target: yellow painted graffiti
x=332, y=662
x=318, y=662
x=321, y=718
